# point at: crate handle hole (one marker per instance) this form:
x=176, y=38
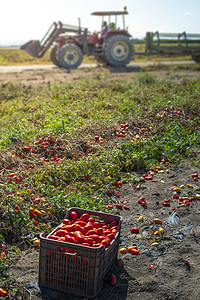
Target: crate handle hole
x=67, y=250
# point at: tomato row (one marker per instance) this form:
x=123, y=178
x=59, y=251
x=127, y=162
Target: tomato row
x=85, y=231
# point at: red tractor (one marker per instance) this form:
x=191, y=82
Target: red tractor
x=69, y=43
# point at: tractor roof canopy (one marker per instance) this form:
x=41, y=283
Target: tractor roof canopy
x=109, y=13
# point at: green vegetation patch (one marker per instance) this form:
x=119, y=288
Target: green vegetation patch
x=77, y=144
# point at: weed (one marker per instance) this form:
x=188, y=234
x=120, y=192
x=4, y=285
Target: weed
x=146, y=78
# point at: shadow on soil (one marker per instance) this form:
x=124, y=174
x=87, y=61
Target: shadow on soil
x=117, y=292
x=127, y=69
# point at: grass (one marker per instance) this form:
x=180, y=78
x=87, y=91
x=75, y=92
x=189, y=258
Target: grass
x=77, y=143
x=15, y=56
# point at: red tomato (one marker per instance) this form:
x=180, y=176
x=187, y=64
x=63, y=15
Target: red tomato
x=91, y=219
x=115, y=227
x=88, y=240
x=61, y=232
x=96, y=224
x=126, y=207
x=113, y=224
x=70, y=228
x=67, y=222
x=96, y=245
x=53, y=237
x=135, y=230
x=81, y=223
x=105, y=243
x=106, y=232
x=119, y=206
x=72, y=233
x=77, y=227
x=165, y=204
x=135, y=252
x=195, y=175
x=138, y=186
x=105, y=227
x=84, y=217
x=112, y=279
x=73, y=215
x=3, y=292
x=86, y=244
x=102, y=237
x=79, y=236
x=103, y=224
x=142, y=199
x=99, y=230
x=111, y=236
x=35, y=223
x=119, y=263
x=61, y=226
x=88, y=227
x=91, y=232
x=95, y=237
x=70, y=239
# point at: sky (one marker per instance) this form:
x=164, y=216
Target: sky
x=24, y=20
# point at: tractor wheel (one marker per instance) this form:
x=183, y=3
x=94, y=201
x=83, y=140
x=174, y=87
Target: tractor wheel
x=54, y=56
x=70, y=56
x=196, y=57
x=118, y=50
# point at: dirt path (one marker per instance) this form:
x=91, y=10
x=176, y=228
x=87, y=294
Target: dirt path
x=16, y=68
x=46, y=75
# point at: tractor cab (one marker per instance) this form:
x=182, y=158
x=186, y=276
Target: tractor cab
x=114, y=23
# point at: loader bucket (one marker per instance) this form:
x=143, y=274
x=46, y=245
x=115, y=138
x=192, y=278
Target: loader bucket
x=33, y=47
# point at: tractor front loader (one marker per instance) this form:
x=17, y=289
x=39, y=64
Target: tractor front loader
x=70, y=43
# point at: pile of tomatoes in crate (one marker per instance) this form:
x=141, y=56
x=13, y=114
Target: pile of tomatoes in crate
x=85, y=231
